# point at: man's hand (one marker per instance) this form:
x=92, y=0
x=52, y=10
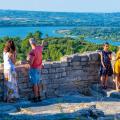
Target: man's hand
x=28, y=58
x=42, y=66
x=27, y=66
x=44, y=43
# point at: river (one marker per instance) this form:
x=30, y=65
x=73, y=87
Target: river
x=46, y=30
x=23, y=31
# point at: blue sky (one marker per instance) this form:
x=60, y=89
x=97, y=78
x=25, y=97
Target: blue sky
x=63, y=5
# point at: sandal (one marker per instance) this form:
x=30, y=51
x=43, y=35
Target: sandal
x=11, y=101
x=34, y=99
x=39, y=99
x=105, y=87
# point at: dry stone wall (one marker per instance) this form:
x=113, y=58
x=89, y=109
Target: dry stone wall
x=72, y=74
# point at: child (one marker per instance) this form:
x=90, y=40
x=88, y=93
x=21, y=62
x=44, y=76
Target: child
x=117, y=70
x=105, y=67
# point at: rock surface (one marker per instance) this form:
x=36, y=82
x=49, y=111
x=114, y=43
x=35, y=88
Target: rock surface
x=115, y=95
x=74, y=107
x=7, y=108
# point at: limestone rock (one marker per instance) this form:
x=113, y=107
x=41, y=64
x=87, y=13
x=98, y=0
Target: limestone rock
x=8, y=108
x=115, y=95
x=97, y=91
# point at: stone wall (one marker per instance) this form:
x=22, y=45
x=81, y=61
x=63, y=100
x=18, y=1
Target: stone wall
x=72, y=74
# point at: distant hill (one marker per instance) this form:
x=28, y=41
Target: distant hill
x=38, y=18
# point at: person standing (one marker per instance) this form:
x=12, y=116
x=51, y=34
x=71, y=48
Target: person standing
x=10, y=82
x=35, y=60
x=117, y=71
x=105, y=67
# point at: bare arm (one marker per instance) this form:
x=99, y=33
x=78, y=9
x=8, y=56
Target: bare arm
x=30, y=59
x=110, y=56
x=102, y=59
x=12, y=56
x=44, y=44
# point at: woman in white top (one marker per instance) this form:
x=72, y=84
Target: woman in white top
x=10, y=83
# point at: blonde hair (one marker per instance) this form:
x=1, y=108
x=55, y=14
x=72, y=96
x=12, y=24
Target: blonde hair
x=118, y=54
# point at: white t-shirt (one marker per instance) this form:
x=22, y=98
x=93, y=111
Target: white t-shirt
x=8, y=64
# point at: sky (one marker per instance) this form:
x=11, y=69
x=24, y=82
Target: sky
x=62, y=5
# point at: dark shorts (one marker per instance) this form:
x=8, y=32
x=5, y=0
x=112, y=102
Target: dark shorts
x=35, y=76
x=106, y=71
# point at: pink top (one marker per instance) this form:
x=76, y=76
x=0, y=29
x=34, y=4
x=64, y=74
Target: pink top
x=36, y=54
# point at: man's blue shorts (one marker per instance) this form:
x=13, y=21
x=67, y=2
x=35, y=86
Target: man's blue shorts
x=35, y=76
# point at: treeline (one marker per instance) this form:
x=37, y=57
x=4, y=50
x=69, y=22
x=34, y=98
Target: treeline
x=105, y=33
x=38, y=18
x=56, y=47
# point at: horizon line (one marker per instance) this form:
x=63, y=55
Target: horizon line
x=59, y=11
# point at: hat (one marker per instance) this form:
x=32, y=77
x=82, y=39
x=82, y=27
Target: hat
x=32, y=41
